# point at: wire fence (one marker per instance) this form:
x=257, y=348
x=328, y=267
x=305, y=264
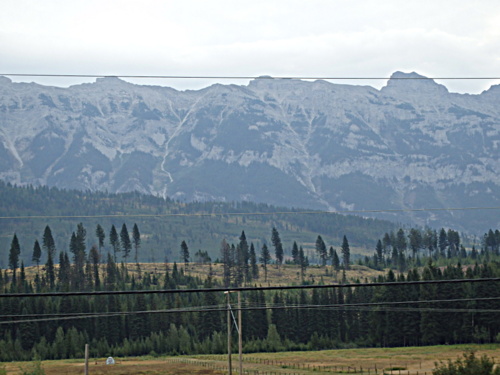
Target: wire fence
x=219, y=363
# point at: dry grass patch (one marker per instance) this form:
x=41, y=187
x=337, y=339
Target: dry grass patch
x=413, y=359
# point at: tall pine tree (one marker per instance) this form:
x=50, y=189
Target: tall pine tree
x=346, y=253
x=278, y=246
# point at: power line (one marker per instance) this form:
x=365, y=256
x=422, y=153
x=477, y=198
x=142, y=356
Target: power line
x=220, y=308
x=139, y=76
x=223, y=307
x=243, y=289
x=202, y=214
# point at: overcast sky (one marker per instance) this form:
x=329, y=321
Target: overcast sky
x=320, y=38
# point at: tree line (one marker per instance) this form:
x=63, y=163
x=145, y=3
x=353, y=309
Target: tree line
x=165, y=222
x=282, y=320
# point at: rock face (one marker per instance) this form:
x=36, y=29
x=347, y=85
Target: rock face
x=318, y=145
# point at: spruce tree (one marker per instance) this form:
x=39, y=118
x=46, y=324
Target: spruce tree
x=94, y=260
x=416, y=241
x=295, y=253
x=48, y=242
x=387, y=244
x=37, y=254
x=114, y=241
x=64, y=273
x=321, y=250
x=346, y=253
x=239, y=273
x=265, y=257
x=185, y=253
x=136, y=236
x=253, y=263
x=245, y=256
x=125, y=242
x=278, y=246
x=49, y=269
x=442, y=242
x=379, y=251
x=99, y=232
x=77, y=247
x=227, y=263
x=14, y=253
x=401, y=243
x=303, y=262
x=335, y=259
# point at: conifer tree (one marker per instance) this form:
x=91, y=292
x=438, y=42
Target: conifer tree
x=111, y=273
x=295, y=253
x=245, y=256
x=136, y=236
x=227, y=263
x=335, y=259
x=379, y=251
x=429, y=241
x=303, y=262
x=37, y=254
x=125, y=242
x=387, y=244
x=416, y=241
x=239, y=273
x=442, y=242
x=77, y=247
x=278, y=246
x=401, y=243
x=321, y=250
x=114, y=241
x=14, y=253
x=253, y=262
x=265, y=257
x=49, y=269
x=64, y=273
x=94, y=260
x=185, y=253
x=346, y=253
x=48, y=242
x=99, y=232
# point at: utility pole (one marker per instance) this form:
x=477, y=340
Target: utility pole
x=229, y=364
x=240, y=334
x=240, y=339
x=86, y=369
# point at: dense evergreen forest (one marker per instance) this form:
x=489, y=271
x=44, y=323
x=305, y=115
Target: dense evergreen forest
x=105, y=256
x=178, y=322
x=165, y=223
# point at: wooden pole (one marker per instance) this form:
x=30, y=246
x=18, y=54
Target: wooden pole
x=240, y=337
x=86, y=359
x=229, y=335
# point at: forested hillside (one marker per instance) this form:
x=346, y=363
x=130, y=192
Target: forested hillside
x=190, y=319
x=172, y=309
x=165, y=223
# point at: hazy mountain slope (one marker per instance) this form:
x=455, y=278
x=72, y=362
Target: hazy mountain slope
x=285, y=142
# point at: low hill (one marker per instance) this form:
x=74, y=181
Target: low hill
x=164, y=223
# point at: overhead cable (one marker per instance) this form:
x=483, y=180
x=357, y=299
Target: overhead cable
x=141, y=76
x=243, y=289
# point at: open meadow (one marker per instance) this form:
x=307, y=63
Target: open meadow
x=408, y=360
x=287, y=274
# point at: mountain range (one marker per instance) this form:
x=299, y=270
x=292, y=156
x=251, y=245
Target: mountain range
x=411, y=152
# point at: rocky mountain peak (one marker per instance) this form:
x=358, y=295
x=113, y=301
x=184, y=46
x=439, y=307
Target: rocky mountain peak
x=314, y=145
x=412, y=84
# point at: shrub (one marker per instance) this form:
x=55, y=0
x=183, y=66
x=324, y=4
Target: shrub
x=469, y=365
